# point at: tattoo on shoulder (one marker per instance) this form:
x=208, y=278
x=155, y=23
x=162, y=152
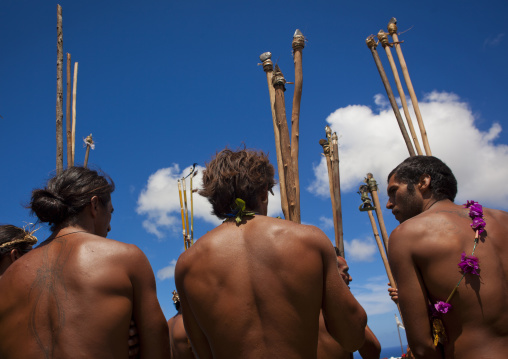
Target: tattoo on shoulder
x=49, y=292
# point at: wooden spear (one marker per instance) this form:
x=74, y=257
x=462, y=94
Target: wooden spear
x=298, y=45
x=336, y=190
x=89, y=144
x=278, y=82
x=183, y=215
x=59, y=91
x=68, y=127
x=74, y=88
x=392, y=30
x=371, y=43
x=383, y=38
x=194, y=173
x=326, y=151
x=268, y=68
x=186, y=212
x=364, y=189
x=371, y=182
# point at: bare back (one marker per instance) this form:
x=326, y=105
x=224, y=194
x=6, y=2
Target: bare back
x=477, y=324
x=179, y=342
x=255, y=290
x=73, y=297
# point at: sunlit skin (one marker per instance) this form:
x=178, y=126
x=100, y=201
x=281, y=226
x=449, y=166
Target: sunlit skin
x=329, y=348
x=423, y=253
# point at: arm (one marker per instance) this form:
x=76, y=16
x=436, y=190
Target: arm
x=198, y=340
x=151, y=324
x=344, y=317
x=412, y=293
x=371, y=349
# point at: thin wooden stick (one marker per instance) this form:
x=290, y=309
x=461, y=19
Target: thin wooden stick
x=89, y=144
x=68, y=128
x=278, y=82
x=298, y=45
x=392, y=30
x=268, y=68
x=326, y=151
x=194, y=173
x=59, y=91
x=336, y=191
x=74, y=88
x=371, y=182
x=371, y=43
x=183, y=215
x=186, y=212
x=383, y=38
x=382, y=251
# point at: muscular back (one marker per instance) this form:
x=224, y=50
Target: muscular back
x=179, y=342
x=255, y=290
x=71, y=297
x=478, y=322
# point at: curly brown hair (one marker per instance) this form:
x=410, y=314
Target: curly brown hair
x=236, y=174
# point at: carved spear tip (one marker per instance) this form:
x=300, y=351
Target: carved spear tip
x=265, y=56
x=328, y=130
x=383, y=38
x=371, y=42
x=298, y=40
x=278, y=77
x=392, y=26
x=323, y=142
x=335, y=138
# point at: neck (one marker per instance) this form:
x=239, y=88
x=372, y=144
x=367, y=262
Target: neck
x=431, y=203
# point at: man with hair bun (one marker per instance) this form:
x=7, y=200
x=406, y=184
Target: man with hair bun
x=254, y=286
x=450, y=263
x=76, y=293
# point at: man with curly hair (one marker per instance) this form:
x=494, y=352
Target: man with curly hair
x=254, y=286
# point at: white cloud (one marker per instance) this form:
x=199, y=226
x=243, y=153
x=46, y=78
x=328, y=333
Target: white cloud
x=372, y=142
x=360, y=250
x=160, y=202
x=326, y=223
x=167, y=272
x=373, y=295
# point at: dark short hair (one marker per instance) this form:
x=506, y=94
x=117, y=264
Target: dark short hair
x=236, y=174
x=12, y=237
x=68, y=193
x=443, y=184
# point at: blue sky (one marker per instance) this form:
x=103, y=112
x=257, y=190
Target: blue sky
x=164, y=84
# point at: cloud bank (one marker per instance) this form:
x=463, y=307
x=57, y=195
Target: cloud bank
x=370, y=141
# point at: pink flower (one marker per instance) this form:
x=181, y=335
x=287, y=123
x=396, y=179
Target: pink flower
x=476, y=210
x=469, y=264
x=469, y=204
x=442, y=307
x=478, y=224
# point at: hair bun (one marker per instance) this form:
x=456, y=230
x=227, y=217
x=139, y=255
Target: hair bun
x=48, y=207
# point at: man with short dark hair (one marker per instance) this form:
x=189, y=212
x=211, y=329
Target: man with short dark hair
x=76, y=293
x=329, y=348
x=436, y=244
x=253, y=287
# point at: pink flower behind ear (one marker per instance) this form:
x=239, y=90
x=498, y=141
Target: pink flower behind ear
x=469, y=264
x=442, y=307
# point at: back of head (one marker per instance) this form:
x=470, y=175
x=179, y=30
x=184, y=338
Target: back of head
x=236, y=174
x=68, y=193
x=443, y=184
x=12, y=237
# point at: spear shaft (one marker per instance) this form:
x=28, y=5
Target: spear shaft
x=59, y=91
x=68, y=127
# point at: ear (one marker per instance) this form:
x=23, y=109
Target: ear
x=264, y=195
x=15, y=255
x=424, y=183
x=94, y=205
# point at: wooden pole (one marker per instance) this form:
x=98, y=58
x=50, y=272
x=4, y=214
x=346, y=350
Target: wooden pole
x=383, y=38
x=326, y=151
x=268, y=68
x=68, y=127
x=59, y=91
x=383, y=254
x=74, y=88
x=298, y=45
x=186, y=212
x=192, y=190
x=278, y=82
x=392, y=30
x=183, y=215
x=371, y=43
x=89, y=144
x=371, y=182
x=336, y=191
